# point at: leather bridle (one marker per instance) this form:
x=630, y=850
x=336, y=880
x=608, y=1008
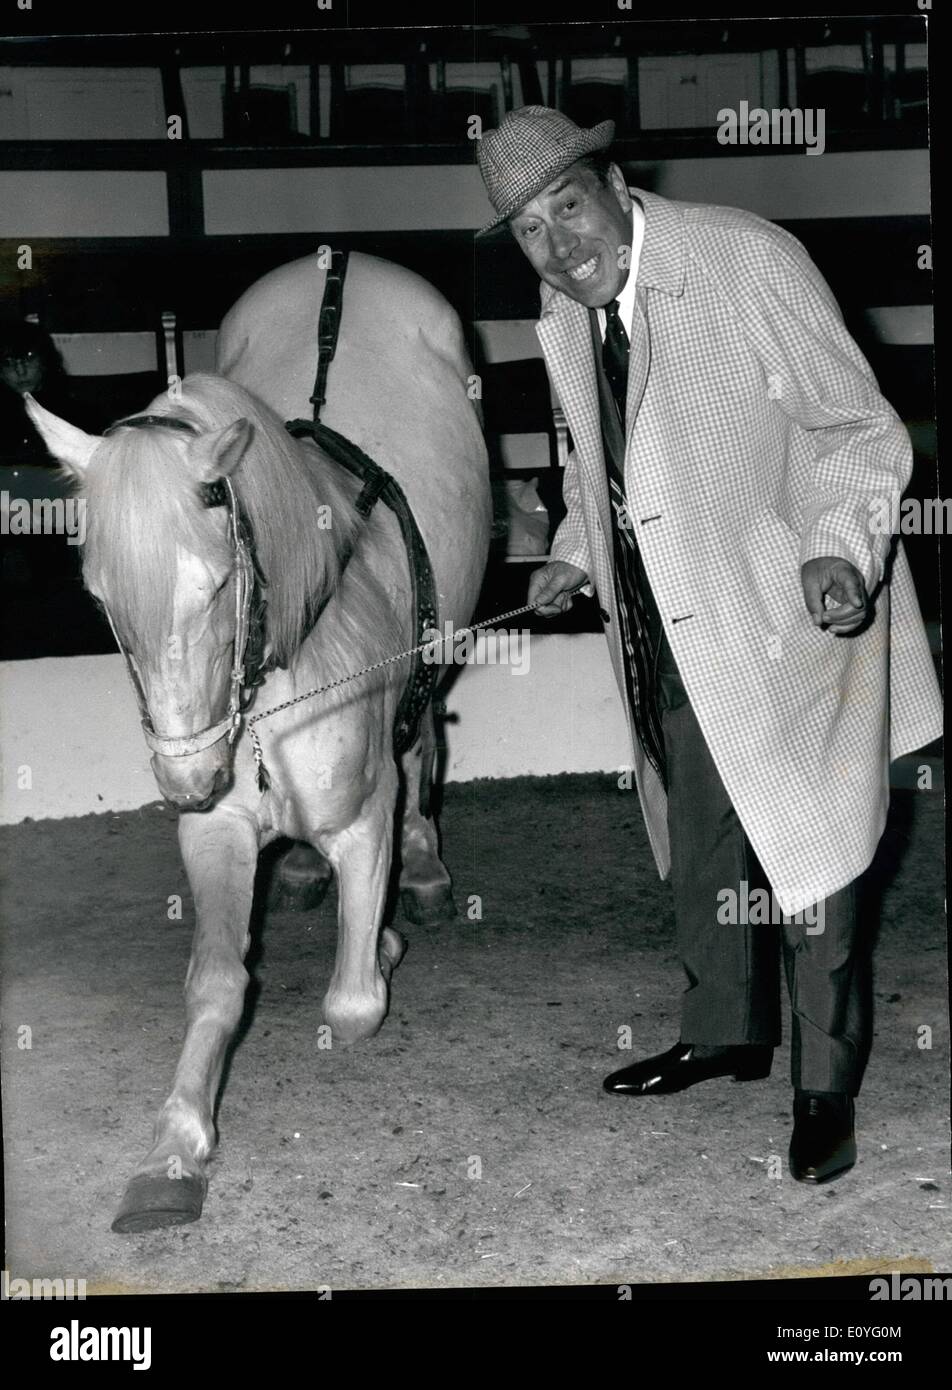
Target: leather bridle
x=248, y=667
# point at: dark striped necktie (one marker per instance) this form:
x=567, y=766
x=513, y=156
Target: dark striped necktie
x=615, y=356
x=634, y=595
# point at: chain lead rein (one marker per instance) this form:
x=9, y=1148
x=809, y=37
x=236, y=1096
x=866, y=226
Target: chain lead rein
x=264, y=781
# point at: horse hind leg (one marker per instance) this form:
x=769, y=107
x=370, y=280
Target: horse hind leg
x=168, y=1188
x=426, y=891
x=300, y=880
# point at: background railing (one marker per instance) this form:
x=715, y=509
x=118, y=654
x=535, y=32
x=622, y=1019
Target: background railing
x=285, y=141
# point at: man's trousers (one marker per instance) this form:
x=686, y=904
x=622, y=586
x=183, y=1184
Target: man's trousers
x=732, y=966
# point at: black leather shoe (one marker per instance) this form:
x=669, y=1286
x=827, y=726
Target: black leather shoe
x=679, y=1068
x=823, y=1145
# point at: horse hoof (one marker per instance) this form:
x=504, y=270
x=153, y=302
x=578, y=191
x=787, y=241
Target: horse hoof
x=300, y=881
x=153, y=1201
x=428, y=907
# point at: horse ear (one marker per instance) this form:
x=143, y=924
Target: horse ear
x=71, y=446
x=219, y=453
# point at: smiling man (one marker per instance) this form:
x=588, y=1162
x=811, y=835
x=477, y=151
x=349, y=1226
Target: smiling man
x=730, y=447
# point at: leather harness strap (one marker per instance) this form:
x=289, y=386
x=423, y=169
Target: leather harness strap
x=377, y=483
x=328, y=326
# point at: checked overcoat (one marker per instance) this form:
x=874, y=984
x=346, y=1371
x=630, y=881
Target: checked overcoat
x=757, y=439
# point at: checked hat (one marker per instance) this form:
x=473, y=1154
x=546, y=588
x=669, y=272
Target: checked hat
x=531, y=147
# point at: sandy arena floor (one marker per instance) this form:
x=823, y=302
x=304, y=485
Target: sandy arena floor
x=358, y=1168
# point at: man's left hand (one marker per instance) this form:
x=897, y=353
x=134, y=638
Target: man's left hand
x=828, y=574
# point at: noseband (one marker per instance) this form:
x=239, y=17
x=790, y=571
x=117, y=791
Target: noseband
x=248, y=669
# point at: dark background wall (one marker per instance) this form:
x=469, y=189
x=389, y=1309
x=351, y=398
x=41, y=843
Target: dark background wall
x=294, y=140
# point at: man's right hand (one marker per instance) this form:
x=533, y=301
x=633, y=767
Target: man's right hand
x=551, y=587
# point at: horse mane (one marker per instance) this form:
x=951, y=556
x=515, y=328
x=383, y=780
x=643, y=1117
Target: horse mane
x=143, y=500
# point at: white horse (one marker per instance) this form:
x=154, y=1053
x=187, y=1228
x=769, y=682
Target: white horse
x=165, y=562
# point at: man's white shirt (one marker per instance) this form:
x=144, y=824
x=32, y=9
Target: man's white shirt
x=626, y=301
x=626, y=298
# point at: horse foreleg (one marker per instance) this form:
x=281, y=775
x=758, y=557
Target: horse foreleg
x=220, y=854
x=426, y=894
x=356, y=1001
